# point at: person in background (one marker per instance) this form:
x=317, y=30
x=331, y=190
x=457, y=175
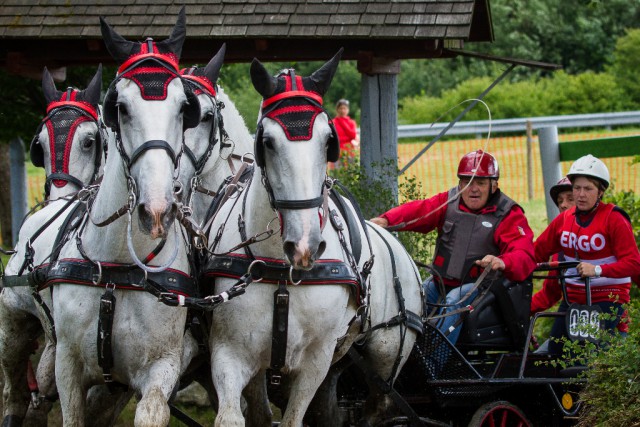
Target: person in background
x=478, y=226
x=600, y=236
x=550, y=294
x=347, y=129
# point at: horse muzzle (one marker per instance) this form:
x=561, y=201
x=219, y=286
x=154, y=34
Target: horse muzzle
x=155, y=220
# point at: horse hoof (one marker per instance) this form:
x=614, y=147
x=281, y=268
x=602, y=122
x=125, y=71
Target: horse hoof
x=12, y=421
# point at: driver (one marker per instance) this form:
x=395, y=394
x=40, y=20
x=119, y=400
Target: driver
x=477, y=225
x=599, y=235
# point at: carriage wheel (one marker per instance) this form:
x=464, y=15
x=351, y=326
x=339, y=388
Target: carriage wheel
x=499, y=414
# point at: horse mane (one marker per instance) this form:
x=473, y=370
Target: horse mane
x=235, y=125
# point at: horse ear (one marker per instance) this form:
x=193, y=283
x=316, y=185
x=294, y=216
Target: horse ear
x=92, y=93
x=49, y=87
x=212, y=70
x=119, y=48
x=264, y=83
x=323, y=76
x=176, y=40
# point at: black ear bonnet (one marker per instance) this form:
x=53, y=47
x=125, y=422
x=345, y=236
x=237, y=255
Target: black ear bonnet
x=295, y=105
x=63, y=117
x=152, y=71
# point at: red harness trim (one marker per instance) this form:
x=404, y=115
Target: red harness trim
x=292, y=94
x=84, y=106
x=168, y=59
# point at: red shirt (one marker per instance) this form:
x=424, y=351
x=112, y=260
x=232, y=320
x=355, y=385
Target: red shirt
x=347, y=131
x=603, y=237
x=512, y=235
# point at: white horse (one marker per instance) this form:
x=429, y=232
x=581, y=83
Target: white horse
x=294, y=141
x=68, y=145
x=216, y=146
x=133, y=213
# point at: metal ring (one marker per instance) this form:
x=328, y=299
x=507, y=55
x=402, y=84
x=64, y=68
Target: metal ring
x=250, y=155
x=233, y=147
x=269, y=224
x=294, y=283
x=251, y=265
x=97, y=282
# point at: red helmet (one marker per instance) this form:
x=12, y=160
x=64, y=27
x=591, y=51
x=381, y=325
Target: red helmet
x=484, y=165
x=563, y=185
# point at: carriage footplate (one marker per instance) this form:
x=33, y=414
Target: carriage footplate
x=436, y=367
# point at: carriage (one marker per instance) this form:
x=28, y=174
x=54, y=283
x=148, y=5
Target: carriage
x=493, y=376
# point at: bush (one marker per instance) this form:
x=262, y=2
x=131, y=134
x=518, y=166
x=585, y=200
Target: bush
x=374, y=198
x=612, y=392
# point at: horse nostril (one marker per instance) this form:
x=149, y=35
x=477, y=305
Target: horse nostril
x=289, y=250
x=321, y=247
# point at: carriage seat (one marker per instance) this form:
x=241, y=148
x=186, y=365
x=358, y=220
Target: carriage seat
x=500, y=319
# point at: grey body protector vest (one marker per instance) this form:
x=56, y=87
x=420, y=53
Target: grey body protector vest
x=466, y=237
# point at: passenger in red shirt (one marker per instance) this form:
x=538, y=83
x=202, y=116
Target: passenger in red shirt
x=545, y=298
x=347, y=129
x=599, y=235
x=477, y=225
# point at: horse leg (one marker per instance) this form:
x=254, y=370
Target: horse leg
x=258, y=412
x=104, y=407
x=230, y=376
x=323, y=410
x=71, y=389
x=37, y=416
x=17, y=331
x=305, y=381
x=156, y=388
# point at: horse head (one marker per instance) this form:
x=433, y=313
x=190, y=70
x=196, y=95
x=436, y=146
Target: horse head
x=203, y=141
x=294, y=140
x=149, y=107
x=68, y=139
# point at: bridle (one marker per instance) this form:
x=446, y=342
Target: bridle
x=268, y=105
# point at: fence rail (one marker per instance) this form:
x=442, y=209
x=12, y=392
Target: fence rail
x=479, y=127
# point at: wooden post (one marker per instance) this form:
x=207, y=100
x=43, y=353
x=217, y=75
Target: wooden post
x=19, y=204
x=379, y=119
x=529, y=160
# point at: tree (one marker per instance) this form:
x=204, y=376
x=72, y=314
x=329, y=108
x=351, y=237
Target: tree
x=626, y=62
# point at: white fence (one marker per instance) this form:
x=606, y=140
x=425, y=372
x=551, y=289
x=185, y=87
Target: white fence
x=481, y=127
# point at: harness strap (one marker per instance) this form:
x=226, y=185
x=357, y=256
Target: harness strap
x=275, y=271
x=354, y=231
x=279, y=333
x=105, y=329
x=121, y=276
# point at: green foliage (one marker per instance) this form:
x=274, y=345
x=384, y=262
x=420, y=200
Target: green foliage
x=562, y=94
x=374, y=198
x=613, y=387
x=626, y=63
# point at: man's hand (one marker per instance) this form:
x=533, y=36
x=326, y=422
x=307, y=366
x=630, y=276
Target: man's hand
x=495, y=262
x=382, y=222
x=586, y=270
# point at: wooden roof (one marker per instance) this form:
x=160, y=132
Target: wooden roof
x=67, y=32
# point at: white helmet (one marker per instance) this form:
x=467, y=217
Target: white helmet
x=590, y=166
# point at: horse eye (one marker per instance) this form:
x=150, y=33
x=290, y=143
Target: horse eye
x=268, y=142
x=207, y=116
x=123, y=110
x=88, y=143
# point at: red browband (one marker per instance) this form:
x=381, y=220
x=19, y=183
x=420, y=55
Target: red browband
x=292, y=94
x=135, y=58
x=84, y=106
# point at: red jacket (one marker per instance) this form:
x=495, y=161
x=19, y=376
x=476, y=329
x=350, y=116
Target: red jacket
x=603, y=237
x=513, y=235
x=347, y=131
